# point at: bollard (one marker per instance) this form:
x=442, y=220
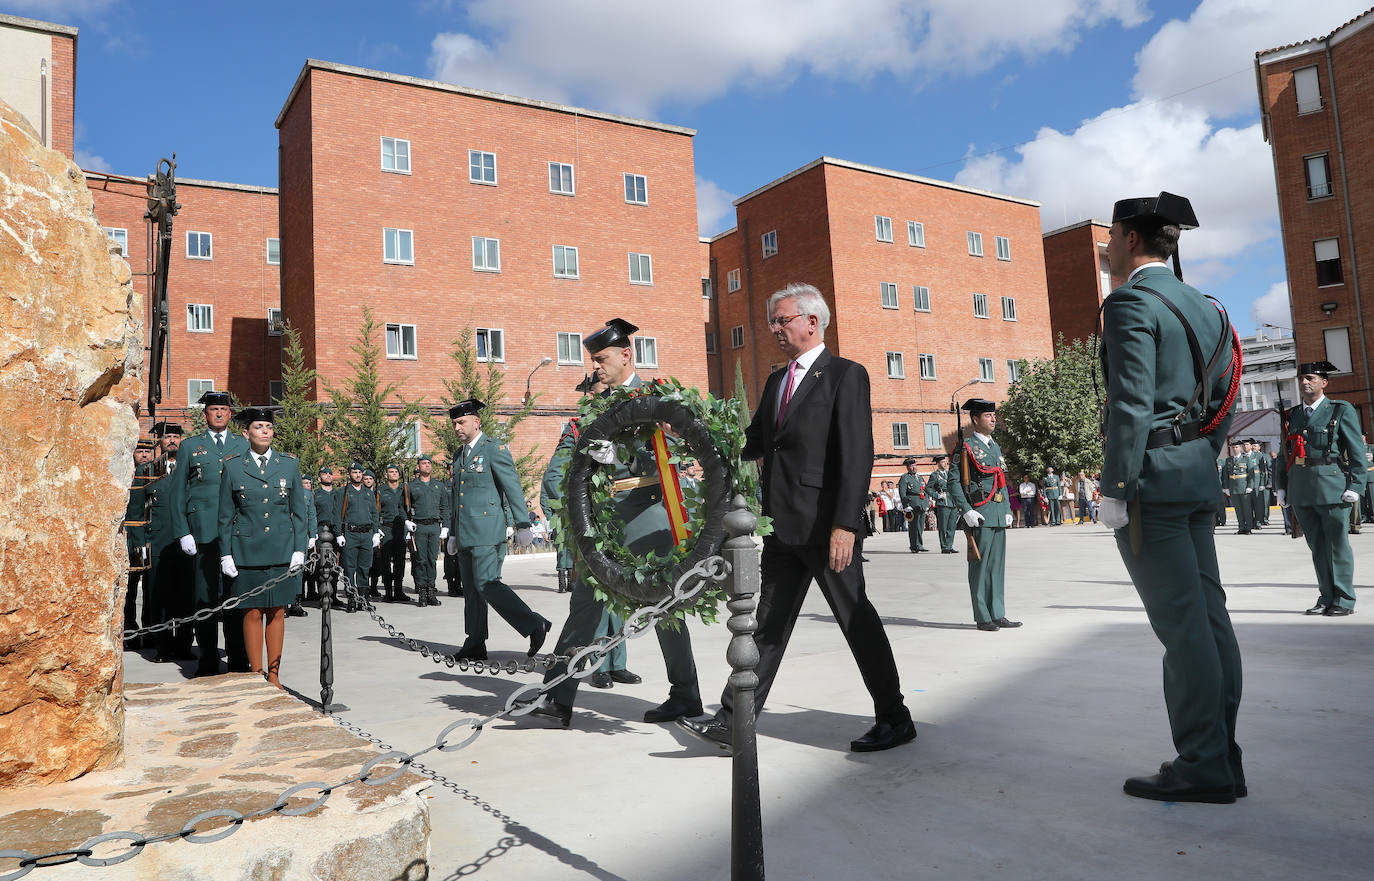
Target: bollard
x=746, y=816
x=327, y=563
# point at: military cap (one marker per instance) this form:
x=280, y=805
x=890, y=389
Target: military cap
x=355, y=465
x=464, y=408
x=424, y=457
x=391, y=465
x=1319, y=368
x=325, y=469
x=1163, y=210
x=367, y=472
x=615, y=335
x=249, y=415
x=979, y=405
x=215, y=399
x=164, y=428
x=145, y=443
x=909, y=461
x=940, y=458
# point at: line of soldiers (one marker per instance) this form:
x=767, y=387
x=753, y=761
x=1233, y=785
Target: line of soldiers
x=919, y=495
x=1247, y=475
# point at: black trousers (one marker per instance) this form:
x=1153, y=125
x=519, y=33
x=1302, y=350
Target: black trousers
x=787, y=573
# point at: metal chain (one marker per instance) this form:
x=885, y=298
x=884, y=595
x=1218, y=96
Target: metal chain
x=581, y=664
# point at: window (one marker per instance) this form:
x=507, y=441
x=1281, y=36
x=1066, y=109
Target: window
x=197, y=387
x=396, y=155
x=119, y=237
x=915, y=234
x=564, y=261
x=490, y=343
x=882, y=228
x=570, y=348
x=1328, y=253
x=641, y=269
x=1337, y=341
x=920, y=298
x=397, y=246
x=1309, y=90
x=732, y=281
x=1003, y=247
x=482, y=167
x=934, y=436
x=561, y=178
x=274, y=252
x=770, y=243
x=706, y=288
x=1008, y=308
x=486, y=254
x=975, y=244
x=400, y=341
x=1013, y=370
x=1318, y=171
x=985, y=369
x=198, y=245
x=276, y=326
x=710, y=343
x=276, y=390
x=889, y=294
x=646, y=351
x=636, y=189
x=980, y=305
x=895, y=368
x=200, y=318
x=737, y=336
x=927, y=366
x=412, y=439
x=900, y=439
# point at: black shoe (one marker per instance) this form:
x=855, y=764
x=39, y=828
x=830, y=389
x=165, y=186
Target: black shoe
x=1168, y=786
x=537, y=638
x=206, y=671
x=600, y=679
x=923, y=550
x=455, y=591
x=884, y=736
x=1337, y=611
x=1003, y=622
x=671, y=709
x=1319, y=609
x=713, y=731
x=625, y=677
x=295, y=611
x=948, y=551
x=472, y=653
x=1241, y=789
x=987, y=625
x=554, y=710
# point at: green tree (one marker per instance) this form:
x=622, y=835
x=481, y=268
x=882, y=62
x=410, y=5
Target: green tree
x=749, y=471
x=360, y=424
x=1050, y=416
x=298, y=430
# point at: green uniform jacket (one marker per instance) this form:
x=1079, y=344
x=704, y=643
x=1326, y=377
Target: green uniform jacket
x=997, y=506
x=135, y=512
x=1236, y=471
x=327, y=509
x=261, y=513
x=937, y=484
x=1051, y=487
x=428, y=500
x=195, y=484
x=551, y=487
x=485, y=485
x=359, y=506
x=911, y=490
x=159, y=532
x=393, y=502
x=312, y=523
x=1263, y=469
x=1150, y=377
x=1333, y=432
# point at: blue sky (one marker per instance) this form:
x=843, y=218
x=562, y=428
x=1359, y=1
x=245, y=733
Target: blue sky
x=1071, y=102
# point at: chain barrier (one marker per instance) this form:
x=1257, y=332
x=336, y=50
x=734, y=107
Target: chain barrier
x=581, y=664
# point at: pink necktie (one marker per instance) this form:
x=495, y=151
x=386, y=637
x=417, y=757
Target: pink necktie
x=787, y=391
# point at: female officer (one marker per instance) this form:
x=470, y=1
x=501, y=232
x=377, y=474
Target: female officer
x=262, y=531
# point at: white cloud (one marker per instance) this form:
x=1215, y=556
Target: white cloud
x=90, y=161
x=715, y=213
x=630, y=56
x=1272, y=308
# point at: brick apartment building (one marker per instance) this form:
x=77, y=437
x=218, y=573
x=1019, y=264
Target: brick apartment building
x=930, y=285
x=444, y=208
x=1078, y=277
x=1317, y=104
x=38, y=76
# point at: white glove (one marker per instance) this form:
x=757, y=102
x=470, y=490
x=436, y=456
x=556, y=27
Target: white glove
x=1350, y=496
x=341, y=541
x=602, y=451
x=452, y=546
x=310, y=542
x=1112, y=513
x=443, y=533
x=1228, y=493
x=188, y=545
x=973, y=518
x=376, y=539
x=1283, y=498
x=1008, y=520
x=524, y=536
x=410, y=526
x=226, y=565
x=942, y=496
x=1250, y=489
x=510, y=530
x=297, y=560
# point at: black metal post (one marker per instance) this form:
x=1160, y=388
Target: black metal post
x=746, y=815
x=325, y=585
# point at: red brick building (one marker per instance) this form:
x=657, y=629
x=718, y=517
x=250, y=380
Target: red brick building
x=930, y=285
x=38, y=76
x=1078, y=277
x=444, y=208
x=1317, y=106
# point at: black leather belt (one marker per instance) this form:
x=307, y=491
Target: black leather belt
x=1317, y=460
x=427, y=521
x=363, y=528
x=1173, y=435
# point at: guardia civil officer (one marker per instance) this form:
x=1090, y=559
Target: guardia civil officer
x=485, y=485
x=453, y=575
x=262, y=535
x=946, y=515
x=310, y=574
x=391, y=557
x=1237, y=486
x=169, y=572
x=327, y=517
x=1264, y=480
x=911, y=490
x=136, y=542
x=1053, y=492
x=360, y=520
x=1169, y=358
x=980, y=493
x=426, y=500
x=1322, y=475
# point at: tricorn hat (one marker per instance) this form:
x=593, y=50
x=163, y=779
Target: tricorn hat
x=248, y=415
x=615, y=335
x=164, y=428
x=145, y=443
x=215, y=399
x=1320, y=368
x=909, y=461
x=939, y=457
x=1162, y=210
x=464, y=408
x=979, y=405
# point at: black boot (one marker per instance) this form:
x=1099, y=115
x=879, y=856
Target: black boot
x=434, y=596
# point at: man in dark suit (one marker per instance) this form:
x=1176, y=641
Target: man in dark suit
x=814, y=431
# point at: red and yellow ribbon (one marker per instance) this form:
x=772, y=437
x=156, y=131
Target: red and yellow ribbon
x=672, y=489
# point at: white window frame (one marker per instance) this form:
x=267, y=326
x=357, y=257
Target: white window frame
x=275, y=325
x=566, y=251
x=985, y=370
x=983, y=300
x=399, y=353
x=394, y=236
x=193, y=317
x=920, y=294
x=895, y=359
x=887, y=295
x=477, y=161
x=769, y=241
x=1013, y=370
x=558, y=168
x=495, y=342
x=1313, y=103
x=927, y=359
x=975, y=244
x=639, y=263
x=197, y=387
x=1003, y=245
x=915, y=234
x=395, y=155
x=882, y=228
x=268, y=252
x=485, y=264
x=120, y=236
x=208, y=239
x=1322, y=190
x=708, y=288
x=737, y=336
x=732, y=281
x=1008, y=308
x=572, y=343
x=902, y=441
x=412, y=439
x=646, y=351
x=935, y=436
x=636, y=189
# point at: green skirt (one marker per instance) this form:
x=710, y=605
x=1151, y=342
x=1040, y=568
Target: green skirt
x=282, y=594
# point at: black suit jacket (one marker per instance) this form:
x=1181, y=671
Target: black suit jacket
x=818, y=462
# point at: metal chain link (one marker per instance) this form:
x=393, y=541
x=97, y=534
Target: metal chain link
x=581, y=664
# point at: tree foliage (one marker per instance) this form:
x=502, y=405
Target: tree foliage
x=360, y=424
x=1050, y=416
x=297, y=427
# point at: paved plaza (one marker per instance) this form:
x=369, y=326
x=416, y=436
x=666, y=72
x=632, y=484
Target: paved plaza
x=1024, y=739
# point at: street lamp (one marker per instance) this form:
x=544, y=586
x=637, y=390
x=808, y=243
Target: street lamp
x=542, y=361
x=974, y=381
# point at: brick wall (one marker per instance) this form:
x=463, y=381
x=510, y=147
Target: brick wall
x=63, y=89
x=1073, y=275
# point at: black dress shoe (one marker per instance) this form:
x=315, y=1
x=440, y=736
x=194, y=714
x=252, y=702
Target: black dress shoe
x=1003, y=622
x=1318, y=609
x=884, y=735
x=600, y=679
x=554, y=710
x=537, y=638
x=714, y=731
x=1241, y=789
x=295, y=610
x=987, y=625
x=672, y=708
x=625, y=677
x=1337, y=611
x=949, y=551
x=472, y=653
x=1168, y=786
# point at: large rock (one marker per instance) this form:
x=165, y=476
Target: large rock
x=71, y=345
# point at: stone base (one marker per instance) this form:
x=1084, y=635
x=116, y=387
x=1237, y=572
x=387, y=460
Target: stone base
x=227, y=742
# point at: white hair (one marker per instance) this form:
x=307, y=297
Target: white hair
x=809, y=302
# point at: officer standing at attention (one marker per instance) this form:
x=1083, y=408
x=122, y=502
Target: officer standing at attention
x=327, y=515
x=1264, y=477
x=375, y=569
x=1322, y=476
x=1368, y=480
x=911, y=490
x=1237, y=486
x=1171, y=364
x=170, y=570
x=308, y=574
x=485, y=484
x=135, y=539
x=946, y=515
x=392, y=555
x=359, y=515
x=980, y=493
x=453, y=576
x=426, y=501
x=1053, y=492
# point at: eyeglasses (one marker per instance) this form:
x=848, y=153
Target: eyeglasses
x=782, y=320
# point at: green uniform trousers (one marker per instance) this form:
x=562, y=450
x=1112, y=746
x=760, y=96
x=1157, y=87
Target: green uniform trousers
x=1056, y=512
x=209, y=592
x=423, y=560
x=1326, y=529
x=357, y=559
x=987, y=576
x=946, y=523
x=1179, y=584
x=616, y=658
x=482, y=587
x=915, y=530
x=1261, y=511
x=1243, y=503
